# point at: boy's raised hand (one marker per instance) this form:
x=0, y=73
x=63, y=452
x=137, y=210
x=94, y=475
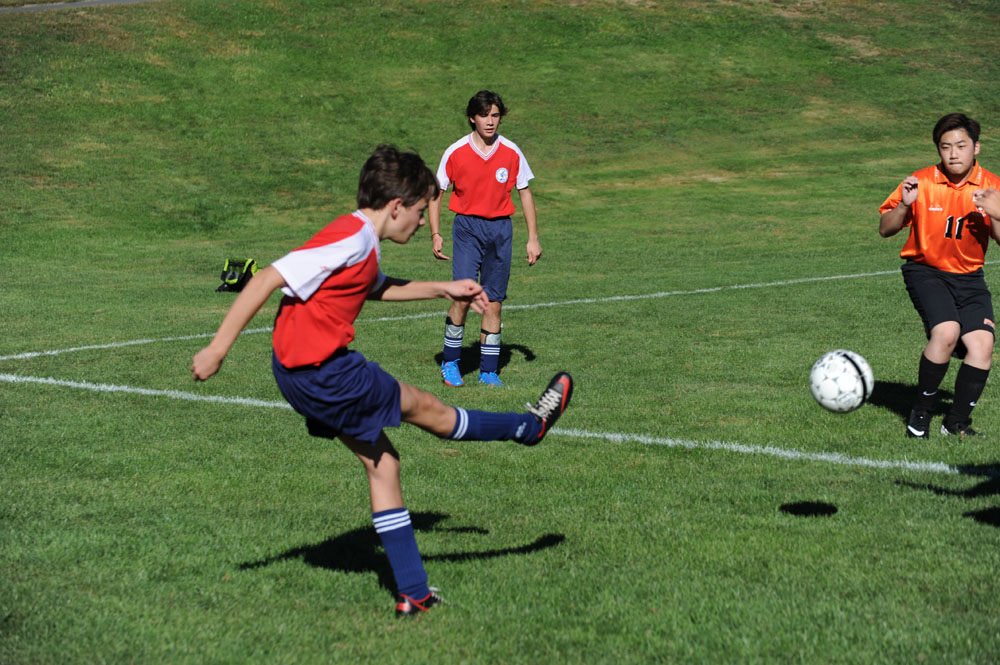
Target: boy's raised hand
x=467, y=290
x=910, y=189
x=988, y=200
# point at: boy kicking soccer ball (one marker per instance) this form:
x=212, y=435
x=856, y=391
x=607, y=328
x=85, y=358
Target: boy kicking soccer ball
x=943, y=272
x=341, y=394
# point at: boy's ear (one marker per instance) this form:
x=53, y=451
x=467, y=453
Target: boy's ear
x=393, y=206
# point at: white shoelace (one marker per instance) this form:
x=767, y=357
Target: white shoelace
x=547, y=403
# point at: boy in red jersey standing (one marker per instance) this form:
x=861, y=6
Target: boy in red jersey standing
x=943, y=272
x=483, y=167
x=341, y=394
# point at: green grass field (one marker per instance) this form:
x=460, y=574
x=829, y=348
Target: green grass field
x=708, y=181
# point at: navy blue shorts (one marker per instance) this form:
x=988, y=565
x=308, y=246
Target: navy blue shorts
x=346, y=394
x=481, y=250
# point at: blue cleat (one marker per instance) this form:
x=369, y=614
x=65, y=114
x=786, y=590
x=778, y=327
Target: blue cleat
x=490, y=379
x=451, y=375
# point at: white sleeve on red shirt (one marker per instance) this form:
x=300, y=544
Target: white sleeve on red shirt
x=442, y=172
x=524, y=173
x=305, y=270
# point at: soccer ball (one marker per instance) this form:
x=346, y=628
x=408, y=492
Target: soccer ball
x=841, y=381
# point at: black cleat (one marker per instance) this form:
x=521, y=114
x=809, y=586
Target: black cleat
x=963, y=430
x=919, y=425
x=407, y=607
x=551, y=404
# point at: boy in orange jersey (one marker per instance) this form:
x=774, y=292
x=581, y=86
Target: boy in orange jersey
x=943, y=272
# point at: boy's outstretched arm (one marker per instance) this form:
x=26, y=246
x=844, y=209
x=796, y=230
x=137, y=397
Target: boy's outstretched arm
x=891, y=221
x=253, y=296
x=465, y=290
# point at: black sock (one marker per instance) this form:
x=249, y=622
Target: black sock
x=969, y=385
x=928, y=379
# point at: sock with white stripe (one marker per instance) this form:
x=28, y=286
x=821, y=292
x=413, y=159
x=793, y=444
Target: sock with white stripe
x=396, y=532
x=473, y=425
x=489, y=352
x=452, y=340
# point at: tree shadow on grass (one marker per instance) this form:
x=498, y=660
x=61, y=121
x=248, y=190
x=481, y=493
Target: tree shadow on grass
x=360, y=550
x=988, y=487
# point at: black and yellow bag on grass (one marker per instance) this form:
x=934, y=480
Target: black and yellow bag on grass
x=236, y=273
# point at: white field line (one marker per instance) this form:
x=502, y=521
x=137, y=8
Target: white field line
x=507, y=308
x=119, y=345
x=130, y=390
x=615, y=437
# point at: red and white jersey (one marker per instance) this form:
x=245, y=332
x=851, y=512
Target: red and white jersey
x=482, y=182
x=328, y=279
x=947, y=230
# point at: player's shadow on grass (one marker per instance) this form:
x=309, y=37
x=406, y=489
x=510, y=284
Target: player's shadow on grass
x=988, y=487
x=360, y=550
x=899, y=398
x=469, y=362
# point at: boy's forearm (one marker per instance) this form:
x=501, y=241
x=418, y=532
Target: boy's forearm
x=434, y=215
x=528, y=210
x=400, y=290
x=245, y=307
x=892, y=221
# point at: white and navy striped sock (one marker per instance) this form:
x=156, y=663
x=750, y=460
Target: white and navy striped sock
x=395, y=530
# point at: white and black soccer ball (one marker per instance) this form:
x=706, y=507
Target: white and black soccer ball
x=841, y=381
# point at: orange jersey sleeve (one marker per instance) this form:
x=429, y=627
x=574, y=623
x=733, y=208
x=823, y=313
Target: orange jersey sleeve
x=947, y=230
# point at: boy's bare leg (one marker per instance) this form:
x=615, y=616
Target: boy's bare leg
x=381, y=463
x=944, y=337
x=458, y=311
x=426, y=411
x=979, y=345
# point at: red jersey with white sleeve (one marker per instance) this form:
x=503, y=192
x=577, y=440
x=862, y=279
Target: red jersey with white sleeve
x=328, y=279
x=947, y=230
x=483, y=181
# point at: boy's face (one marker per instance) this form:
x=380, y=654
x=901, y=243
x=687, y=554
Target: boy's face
x=401, y=226
x=486, y=124
x=958, y=152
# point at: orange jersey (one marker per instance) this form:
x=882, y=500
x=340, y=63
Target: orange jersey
x=947, y=230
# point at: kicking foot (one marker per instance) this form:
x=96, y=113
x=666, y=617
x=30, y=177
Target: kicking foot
x=551, y=405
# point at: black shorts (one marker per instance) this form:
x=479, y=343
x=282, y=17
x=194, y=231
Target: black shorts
x=940, y=296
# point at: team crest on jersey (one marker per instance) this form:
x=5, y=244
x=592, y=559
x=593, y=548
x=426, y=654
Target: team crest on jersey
x=502, y=175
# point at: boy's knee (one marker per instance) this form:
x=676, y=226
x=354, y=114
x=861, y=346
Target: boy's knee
x=421, y=403
x=945, y=335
